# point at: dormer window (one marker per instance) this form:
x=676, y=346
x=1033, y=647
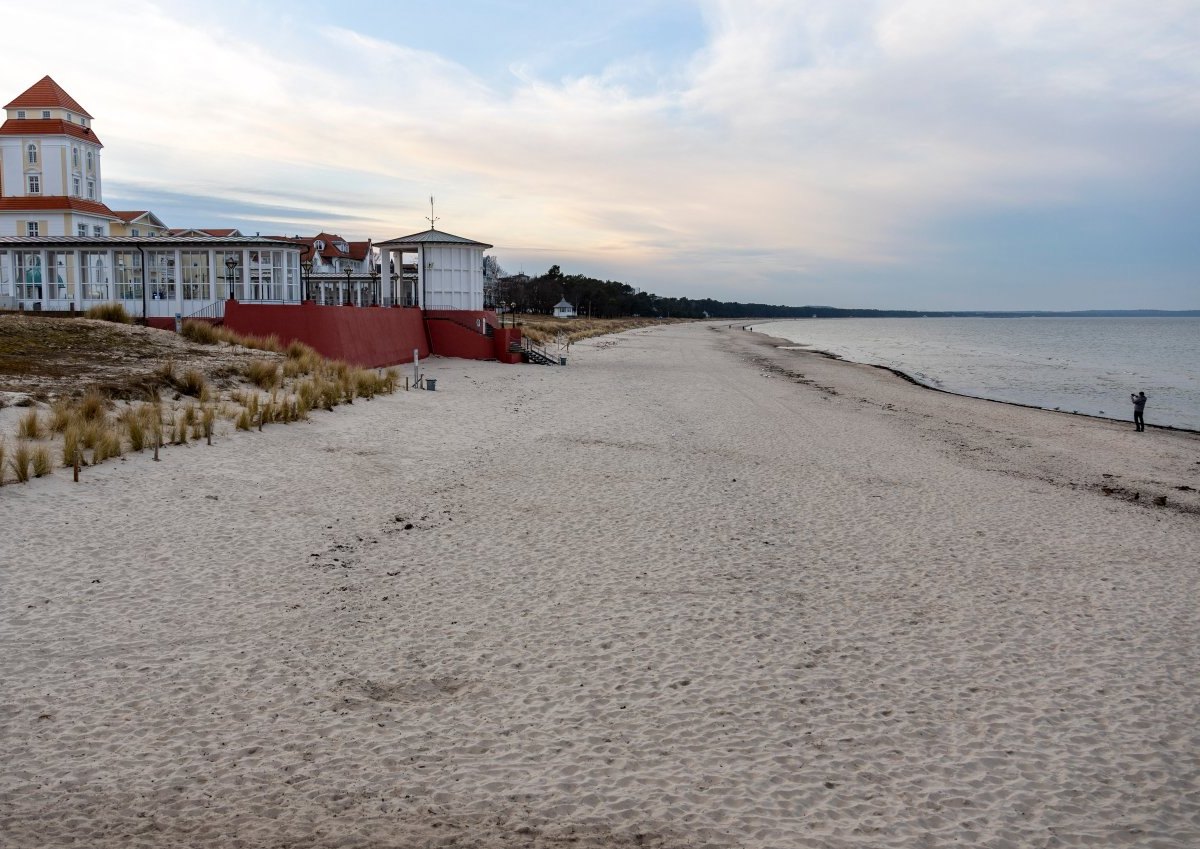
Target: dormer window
x=32, y=228
x=45, y=113
x=343, y=247
x=134, y=232
x=21, y=114
x=318, y=245
x=31, y=154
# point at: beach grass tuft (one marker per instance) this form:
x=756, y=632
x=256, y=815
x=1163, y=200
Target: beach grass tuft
x=262, y=373
x=31, y=426
x=113, y=312
x=201, y=332
x=42, y=464
x=21, y=461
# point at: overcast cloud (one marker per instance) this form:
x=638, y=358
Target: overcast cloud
x=899, y=153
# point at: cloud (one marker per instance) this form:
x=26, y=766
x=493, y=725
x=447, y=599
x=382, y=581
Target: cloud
x=788, y=145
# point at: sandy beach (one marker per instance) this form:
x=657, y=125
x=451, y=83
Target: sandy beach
x=689, y=591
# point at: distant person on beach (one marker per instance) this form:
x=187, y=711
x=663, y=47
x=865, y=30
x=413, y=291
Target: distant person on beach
x=1139, y=407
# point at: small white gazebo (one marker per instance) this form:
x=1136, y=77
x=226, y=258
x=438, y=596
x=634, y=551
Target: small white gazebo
x=449, y=269
x=563, y=309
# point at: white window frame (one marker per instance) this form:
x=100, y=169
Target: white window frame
x=133, y=231
x=45, y=113
x=75, y=158
x=33, y=183
x=97, y=230
x=21, y=114
x=80, y=229
x=33, y=228
x=31, y=154
x=75, y=187
x=91, y=189
x=90, y=160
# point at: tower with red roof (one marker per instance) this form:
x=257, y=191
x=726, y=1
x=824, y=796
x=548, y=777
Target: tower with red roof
x=50, y=181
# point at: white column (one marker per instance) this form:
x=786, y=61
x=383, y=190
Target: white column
x=385, y=274
x=245, y=273
x=178, y=282
x=421, y=276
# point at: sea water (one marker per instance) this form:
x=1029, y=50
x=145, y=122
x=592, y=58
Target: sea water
x=1083, y=365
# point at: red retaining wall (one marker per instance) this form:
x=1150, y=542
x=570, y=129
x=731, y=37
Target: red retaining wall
x=365, y=336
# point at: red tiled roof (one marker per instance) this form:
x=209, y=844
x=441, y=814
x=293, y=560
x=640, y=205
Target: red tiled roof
x=56, y=203
x=46, y=94
x=47, y=127
x=358, y=250
x=129, y=215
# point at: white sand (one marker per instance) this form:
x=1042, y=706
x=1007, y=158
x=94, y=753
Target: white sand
x=667, y=596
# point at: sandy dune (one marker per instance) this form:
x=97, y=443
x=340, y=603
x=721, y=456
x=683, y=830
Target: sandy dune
x=689, y=591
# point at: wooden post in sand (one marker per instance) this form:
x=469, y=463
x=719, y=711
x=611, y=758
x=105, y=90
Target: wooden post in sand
x=416, y=367
x=75, y=463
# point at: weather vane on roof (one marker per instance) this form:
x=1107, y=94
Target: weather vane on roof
x=431, y=217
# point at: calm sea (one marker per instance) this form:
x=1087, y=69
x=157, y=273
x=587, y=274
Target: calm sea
x=1085, y=365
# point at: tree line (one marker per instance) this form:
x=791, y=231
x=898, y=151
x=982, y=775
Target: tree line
x=613, y=299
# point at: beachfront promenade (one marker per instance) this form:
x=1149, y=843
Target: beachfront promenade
x=688, y=591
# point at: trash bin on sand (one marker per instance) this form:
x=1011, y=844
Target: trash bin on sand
x=431, y=384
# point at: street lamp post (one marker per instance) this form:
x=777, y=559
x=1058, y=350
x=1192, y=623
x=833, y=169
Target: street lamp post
x=395, y=291
x=512, y=310
x=306, y=267
x=348, y=273
x=374, y=287
x=230, y=264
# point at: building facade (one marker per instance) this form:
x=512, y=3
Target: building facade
x=50, y=182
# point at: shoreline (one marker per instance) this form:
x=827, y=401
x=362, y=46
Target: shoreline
x=804, y=347
x=688, y=591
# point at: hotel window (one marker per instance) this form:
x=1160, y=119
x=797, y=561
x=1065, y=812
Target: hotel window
x=91, y=189
x=32, y=228
x=31, y=154
x=35, y=184
x=89, y=160
x=80, y=229
x=75, y=186
x=45, y=113
x=97, y=230
x=75, y=158
x=20, y=113
x=134, y=232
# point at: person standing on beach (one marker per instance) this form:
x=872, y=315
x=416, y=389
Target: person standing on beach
x=1139, y=407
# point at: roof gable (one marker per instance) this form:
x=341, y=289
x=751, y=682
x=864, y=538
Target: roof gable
x=46, y=93
x=430, y=237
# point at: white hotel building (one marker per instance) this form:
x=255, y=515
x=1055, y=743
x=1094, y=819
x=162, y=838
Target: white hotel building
x=57, y=248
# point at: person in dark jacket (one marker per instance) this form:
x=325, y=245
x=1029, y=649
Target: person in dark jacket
x=1139, y=407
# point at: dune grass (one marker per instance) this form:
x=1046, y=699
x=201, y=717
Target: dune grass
x=113, y=312
x=545, y=329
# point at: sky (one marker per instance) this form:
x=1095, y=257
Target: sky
x=895, y=154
